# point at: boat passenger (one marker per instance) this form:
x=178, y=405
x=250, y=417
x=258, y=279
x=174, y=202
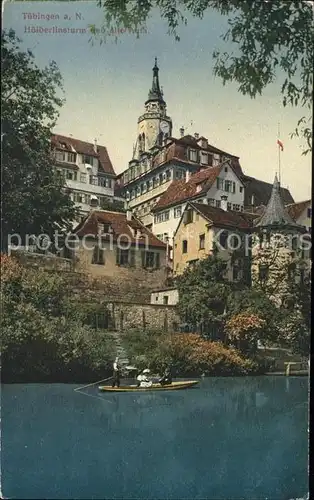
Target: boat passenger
x=145, y=381
x=139, y=378
x=166, y=379
x=116, y=373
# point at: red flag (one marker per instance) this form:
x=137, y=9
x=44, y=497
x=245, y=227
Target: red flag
x=280, y=144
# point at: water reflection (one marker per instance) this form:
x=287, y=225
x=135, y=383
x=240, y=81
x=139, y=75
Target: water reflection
x=229, y=438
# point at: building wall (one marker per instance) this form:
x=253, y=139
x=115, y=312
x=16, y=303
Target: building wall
x=137, y=274
x=155, y=317
x=190, y=233
x=236, y=199
x=170, y=296
x=305, y=219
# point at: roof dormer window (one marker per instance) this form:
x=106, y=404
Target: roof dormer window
x=193, y=155
x=204, y=158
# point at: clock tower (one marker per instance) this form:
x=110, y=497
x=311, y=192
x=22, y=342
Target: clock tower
x=154, y=125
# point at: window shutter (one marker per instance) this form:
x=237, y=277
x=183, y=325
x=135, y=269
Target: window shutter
x=132, y=258
x=233, y=187
x=118, y=256
x=143, y=258
x=157, y=260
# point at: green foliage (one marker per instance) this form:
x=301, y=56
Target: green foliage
x=113, y=205
x=273, y=41
x=34, y=201
x=43, y=336
x=203, y=291
x=188, y=354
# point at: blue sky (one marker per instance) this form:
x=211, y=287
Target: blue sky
x=106, y=87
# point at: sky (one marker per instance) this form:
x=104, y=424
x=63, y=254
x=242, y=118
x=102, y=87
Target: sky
x=106, y=87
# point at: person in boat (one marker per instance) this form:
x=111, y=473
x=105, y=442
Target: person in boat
x=166, y=379
x=139, y=378
x=144, y=379
x=116, y=373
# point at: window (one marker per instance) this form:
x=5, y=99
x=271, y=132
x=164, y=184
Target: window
x=229, y=206
x=165, y=300
x=184, y=246
x=202, y=241
x=122, y=257
x=93, y=180
x=188, y=216
x=132, y=194
x=228, y=186
x=219, y=183
x=98, y=256
x=71, y=157
x=193, y=155
x=211, y=202
x=263, y=272
x=168, y=175
x=236, y=207
x=60, y=155
x=88, y=159
x=160, y=177
x=150, y=260
x=72, y=176
x=241, y=189
x=309, y=213
x=177, y=212
x=204, y=158
x=218, y=203
x=165, y=215
x=223, y=239
x=83, y=178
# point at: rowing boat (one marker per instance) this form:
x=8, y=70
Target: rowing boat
x=155, y=387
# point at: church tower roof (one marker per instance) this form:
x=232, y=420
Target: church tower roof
x=155, y=93
x=275, y=213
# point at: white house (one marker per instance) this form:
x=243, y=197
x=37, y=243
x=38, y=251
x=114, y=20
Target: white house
x=212, y=186
x=87, y=170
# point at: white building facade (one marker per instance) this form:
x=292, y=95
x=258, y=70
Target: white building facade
x=87, y=171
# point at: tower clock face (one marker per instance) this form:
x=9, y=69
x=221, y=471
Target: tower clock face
x=164, y=127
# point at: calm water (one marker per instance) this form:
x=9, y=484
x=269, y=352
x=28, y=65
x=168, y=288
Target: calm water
x=241, y=438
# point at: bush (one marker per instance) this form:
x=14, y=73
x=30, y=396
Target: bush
x=43, y=337
x=188, y=353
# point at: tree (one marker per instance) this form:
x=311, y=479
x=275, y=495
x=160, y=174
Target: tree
x=244, y=330
x=33, y=196
x=272, y=40
x=43, y=335
x=203, y=291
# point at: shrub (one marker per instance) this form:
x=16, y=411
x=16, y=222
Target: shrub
x=188, y=353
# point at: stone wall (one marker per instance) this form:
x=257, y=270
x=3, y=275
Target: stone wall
x=126, y=315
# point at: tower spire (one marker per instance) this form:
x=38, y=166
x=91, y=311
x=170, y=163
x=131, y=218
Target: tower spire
x=275, y=213
x=155, y=93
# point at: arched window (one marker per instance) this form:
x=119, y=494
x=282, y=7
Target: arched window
x=143, y=141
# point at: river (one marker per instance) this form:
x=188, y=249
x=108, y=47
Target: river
x=229, y=438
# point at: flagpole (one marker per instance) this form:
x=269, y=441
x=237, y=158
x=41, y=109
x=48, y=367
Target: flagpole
x=279, y=166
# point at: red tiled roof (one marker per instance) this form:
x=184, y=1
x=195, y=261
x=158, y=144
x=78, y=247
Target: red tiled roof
x=296, y=209
x=227, y=218
x=120, y=226
x=86, y=148
x=180, y=190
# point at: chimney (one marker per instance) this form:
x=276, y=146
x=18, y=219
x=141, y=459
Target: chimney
x=128, y=215
x=187, y=176
x=95, y=145
x=181, y=131
x=196, y=135
x=224, y=204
